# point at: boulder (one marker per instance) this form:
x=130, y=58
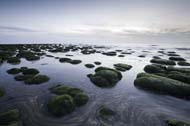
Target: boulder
x=163, y=61
x=162, y=84
x=122, y=67
x=105, y=77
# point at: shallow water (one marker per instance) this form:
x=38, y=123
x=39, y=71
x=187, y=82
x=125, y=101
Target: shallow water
x=134, y=107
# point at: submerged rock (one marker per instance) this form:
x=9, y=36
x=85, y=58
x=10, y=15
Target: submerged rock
x=177, y=123
x=163, y=85
x=76, y=98
x=10, y=118
x=122, y=67
x=105, y=77
x=163, y=61
x=89, y=65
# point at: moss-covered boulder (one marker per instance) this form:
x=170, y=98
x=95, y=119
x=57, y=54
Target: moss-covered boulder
x=177, y=123
x=62, y=60
x=163, y=85
x=13, y=60
x=97, y=63
x=13, y=71
x=74, y=61
x=38, y=79
x=122, y=67
x=30, y=71
x=163, y=61
x=23, y=77
x=2, y=91
x=183, y=63
x=80, y=98
x=105, y=112
x=105, y=77
x=153, y=68
x=61, y=105
x=89, y=65
x=10, y=118
x=177, y=58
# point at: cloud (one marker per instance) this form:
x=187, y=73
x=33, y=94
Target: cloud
x=15, y=29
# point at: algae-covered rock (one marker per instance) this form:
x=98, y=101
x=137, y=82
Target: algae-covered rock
x=75, y=61
x=105, y=77
x=97, y=63
x=153, y=68
x=13, y=60
x=62, y=60
x=10, y=118
x=89, y=65
x=177, y=123
x=2, y=91
x=30, y=71
x=122, y=67
x=183, y=63
x=13, y=71
x=162, y=85
x=177, y=58
x=61, y=105
x=163, y=61
x=106, y=113
x=23, y=77
x=38, y=79
x=80, y=98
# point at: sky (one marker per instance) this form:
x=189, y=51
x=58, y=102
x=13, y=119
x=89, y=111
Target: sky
x=94, y=21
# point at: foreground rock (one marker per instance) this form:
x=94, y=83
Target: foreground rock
x=69, y=98
x=177, y=123
x=10, y=118
x=105, y=77
x=122, y=67
x=162, y=85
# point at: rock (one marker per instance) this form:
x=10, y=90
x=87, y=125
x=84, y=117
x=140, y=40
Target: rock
x=13, y=71
x=177, y=123
x=30, y=71
x=62, y=60
x=80, y=98
x=153, y=68
x=23, y=77
x=10, y=118
x=121, y=55
x=75, y=61
x=111, y=53
x=122, y=67
x=89, y=65
x=61, y=105
x=156, y=57
x=163, y=85
x=13, y=60
x=38, y=79
x=177, y=58
x=28, y=55
x=97, y=63
x=163, y=61
x=142, y=56
x=105, y=77
x=183, y=63
x=106, y=112
x=2, y=91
